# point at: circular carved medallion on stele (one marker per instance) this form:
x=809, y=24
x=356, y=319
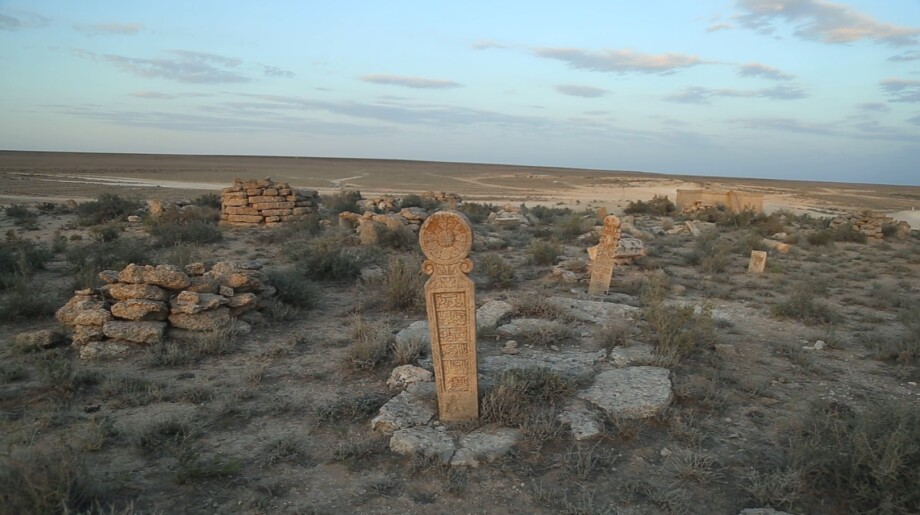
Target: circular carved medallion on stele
x=446, y=237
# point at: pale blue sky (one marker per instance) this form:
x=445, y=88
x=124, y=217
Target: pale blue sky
x=801, y=89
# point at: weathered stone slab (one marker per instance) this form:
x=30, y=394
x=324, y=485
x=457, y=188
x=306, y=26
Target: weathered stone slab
x=87, y=333
x=140, y=309
x=594, y=311
x=417, y=331
x=136, y=291
x=425, y=441
x=37, y=340
x=489, y=314
x=446, y=240
x=635, y=392
x=602, y=259
x=138, y=332
x=568, y=363
x=758, y=261
x=635, y=354
x=77, y=305
x=166, y=276
x=415, y=406
x=485, y=444
x=407, y=375
x=190, y=302
x=525, y=326
x=210, y=320
x=581, y=419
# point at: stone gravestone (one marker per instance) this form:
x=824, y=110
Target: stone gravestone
x=602, y=256
x=758, y=261
x=446, y=240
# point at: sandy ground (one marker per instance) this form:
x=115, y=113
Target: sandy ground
x=40, y=176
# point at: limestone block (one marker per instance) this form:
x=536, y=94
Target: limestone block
x=195, y=269
x=233, y=194
x=37, y=340
x=777, y=245
x=568, y=363
x=107, y=350
x=276, y=212
x=635, y=354
x=189, y=303
x=597, y=312
x=140, y=309
x=254, y=191
x=95, y=317
x=274, y=205
x=635, y=392
x=270, y=192
x=485, y=444
x=136, y=291
x=417, y=331
x=235, y=202
x=284, y=191
x=406, y=375
x=203, y=284
x=243, y=300
x=77, y=305
x=241, y=211
x=581, y=419
x=167, y=276
x=87, y=333
x=138, y=332
x=525, y=326
x=489, y=314
x=415, y=406
x=109, y=276
x=254, y=219
x=758, y=261
x=211, y=320
x=425, y=441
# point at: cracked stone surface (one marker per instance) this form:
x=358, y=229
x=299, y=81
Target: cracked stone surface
x=423, y=440
x=635, y=392
x=417, y=331
x=485, y=444
x=489, y=314
x=593, y=311
x=636, y=354
x=581, y=419
x=569, y=363
x=524, y=326
x=415, y=406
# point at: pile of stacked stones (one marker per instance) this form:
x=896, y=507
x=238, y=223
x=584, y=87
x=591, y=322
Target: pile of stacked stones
x=870, y=224
x=141, y=304
x=264, y=202
x=451, y=200
x=369, y=224
x=384, y=204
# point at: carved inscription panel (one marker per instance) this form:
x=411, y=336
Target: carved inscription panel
x=446, y=240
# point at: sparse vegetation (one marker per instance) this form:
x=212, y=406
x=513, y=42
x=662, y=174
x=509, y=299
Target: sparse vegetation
x=403, y=284
x=497, y=271
x=520, y=391
x=107, y=207
x=660, y=205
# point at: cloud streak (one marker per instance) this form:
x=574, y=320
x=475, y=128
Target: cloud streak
x=906, y=57
x=700, y=95
x=820, y=20
x=410, y=82
x=763, y=71
x=182, y=66
x=715, y=27
x=15, y=20
x=274, y=71
x=96, y=29
x=580, y=91
x=901, y=90
x=619, y=61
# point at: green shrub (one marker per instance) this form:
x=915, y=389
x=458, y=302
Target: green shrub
x=548, y=215
x=106, y=208
x=477, y=212
x=803, y=305
x=399, y=238
x=659, y=205
x=820, y=238
x=211, y=200
x=195, y=231
x=544, y=252
x=403, y=283
x=22, y=216
x=345, y=201
x=496, y=270
x=333, y=257
x=88, y=260
x=20, y=258
x=27, y=299
x=570, y=227
x=293, y=288
x=45, y=480
x=371, y=343
x=519, y=392
x=849, y=234
x=679, y=331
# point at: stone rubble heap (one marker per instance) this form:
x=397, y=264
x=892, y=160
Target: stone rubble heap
x=382, y=204
x=451, y=200
x=509, y=216
x=870, y=224
x=140, y=305
x=264, y=202
x=369, y=224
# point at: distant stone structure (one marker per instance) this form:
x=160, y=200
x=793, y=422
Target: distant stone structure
x=446, y=240
x=689, y=200
x=264, y=202
x=140, y=305
x=871, y=224
x=758, y=261
x=603, y=256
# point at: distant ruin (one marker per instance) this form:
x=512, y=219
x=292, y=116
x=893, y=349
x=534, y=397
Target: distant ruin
x=697, y=199
x=264, y=202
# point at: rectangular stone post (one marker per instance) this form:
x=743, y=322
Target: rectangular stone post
x=602, y=256
x=446, y=239
x=758, y=261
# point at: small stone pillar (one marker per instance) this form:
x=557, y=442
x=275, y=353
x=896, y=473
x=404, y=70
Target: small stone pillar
x=602, y=256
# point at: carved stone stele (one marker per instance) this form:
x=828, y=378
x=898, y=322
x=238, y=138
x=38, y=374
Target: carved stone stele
x=603, y=255
x=446, y=239
x=758, y=261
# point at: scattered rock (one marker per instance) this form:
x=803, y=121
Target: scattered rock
x=489, y=314
x=406, y=375
x=423, y=440
x=581, y=419
x=138, y=332
x=511, y=347
x=38, y=340
x=415, y=406
x=819, y=345
x=140, y=309
x=636, y=392
x=485, y=444
x=635, y=354
x=190, y=303
x=525, y=326
x=417, y=331
x=121, y=291
x=594, y=311
x=204, y=321
x=568, y=363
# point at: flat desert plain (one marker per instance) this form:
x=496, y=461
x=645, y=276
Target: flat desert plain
x=692, y=385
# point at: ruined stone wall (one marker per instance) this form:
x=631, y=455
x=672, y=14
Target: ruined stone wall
x=870, y=224
x=733, y=200
x=141, y=305
x=264, y=202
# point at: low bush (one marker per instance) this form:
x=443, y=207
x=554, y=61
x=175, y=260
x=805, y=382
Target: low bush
x=403, y=284
x=679, y=331
x=570, y=227
x=399, y=238
x=548, y=215
x=106, y=208
x=46, y=480
x=189, y=225
x=427, y=203
x=293, y=287
x=848, y=234
x=22, y=216
x=27, y=299
x=90, y=259
x=371, y=343
x=496, y=270
x=333, y=257
x=20, y=258
x=823, y=237
x=211, y=200
x=659, y=205
x=544, y=252
x=519, y=392
x=477, y=212
x=345, y=201
x=802, y=305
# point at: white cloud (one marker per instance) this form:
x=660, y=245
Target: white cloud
x=411, y=82
x=274, y=71
x=187, y=66
x=762, y=71
x=719, y=26
x=95, y=29
x=17, y=19
x=906, y=56
x=580, y=91
x=619, y=61
x=824, y=21
x=699, y=95
x=487, y=44
x=901, y=90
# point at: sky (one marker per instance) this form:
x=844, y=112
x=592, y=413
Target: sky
x=784, y=89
